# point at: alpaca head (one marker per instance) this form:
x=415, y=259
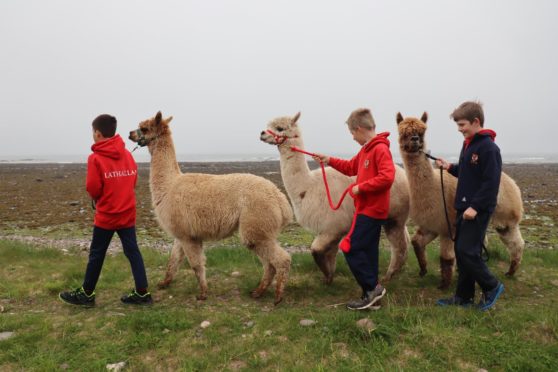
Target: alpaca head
x=411, y=133
x=151, y=129
x=282, y=130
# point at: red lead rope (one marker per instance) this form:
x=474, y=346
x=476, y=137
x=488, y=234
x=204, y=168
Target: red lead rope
x=281, y=138
x=347, y=190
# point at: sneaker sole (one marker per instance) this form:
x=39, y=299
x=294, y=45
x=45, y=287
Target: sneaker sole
x=488, y=306
x=371, y=303
x=70, y=303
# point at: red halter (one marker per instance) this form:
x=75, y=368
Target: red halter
x=280, y=139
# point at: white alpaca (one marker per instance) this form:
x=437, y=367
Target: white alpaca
x=427, y=208
x=307, y=193
x=196, y=207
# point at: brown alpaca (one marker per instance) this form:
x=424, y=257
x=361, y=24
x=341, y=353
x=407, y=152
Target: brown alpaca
x=308, y=197
x=427, y=208
x=196, y=207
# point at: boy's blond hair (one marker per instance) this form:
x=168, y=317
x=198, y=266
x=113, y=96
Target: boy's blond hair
x=362, y=118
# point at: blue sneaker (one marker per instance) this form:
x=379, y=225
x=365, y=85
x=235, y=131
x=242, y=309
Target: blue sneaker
x=455, y=301
x=488, y=299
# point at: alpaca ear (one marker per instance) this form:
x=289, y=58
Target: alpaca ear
x=158, y=118
x=399, y=118
x=424, y=117
x=168, y=120
x=295, y=118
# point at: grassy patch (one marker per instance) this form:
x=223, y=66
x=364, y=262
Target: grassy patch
x=410, y=332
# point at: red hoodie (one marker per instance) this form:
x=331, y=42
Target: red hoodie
x=373, y=166
x=111, y=178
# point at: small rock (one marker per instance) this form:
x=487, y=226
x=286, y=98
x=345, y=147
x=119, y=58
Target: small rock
x=38, y=180
x=5, y=335
x=64, y=366
x=268, y=333
x=307, y=322
x=165, y=331
x=1, y=309
x=116, y=367
x=74, y=203
x=554, y=283
x=235, y=274
x=205, y=324
x=249, y=324
x=482, y=370
x=366, y=324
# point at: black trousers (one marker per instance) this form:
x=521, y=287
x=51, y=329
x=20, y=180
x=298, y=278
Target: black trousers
x=363, y=256
x=468, y=249
x=98, y=251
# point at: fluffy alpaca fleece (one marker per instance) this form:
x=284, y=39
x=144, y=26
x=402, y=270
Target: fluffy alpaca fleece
x=307, y=193
x=196, y=207
x=427, y=209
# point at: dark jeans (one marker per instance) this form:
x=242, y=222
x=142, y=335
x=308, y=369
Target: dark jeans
x=363, y=256
x=468, y=248
x=98, y=251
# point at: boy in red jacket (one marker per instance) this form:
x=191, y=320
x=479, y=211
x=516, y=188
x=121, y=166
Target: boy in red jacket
x=111, y=179
x=375, y=171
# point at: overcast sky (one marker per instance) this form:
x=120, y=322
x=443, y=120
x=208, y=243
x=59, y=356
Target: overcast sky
x=224, y=69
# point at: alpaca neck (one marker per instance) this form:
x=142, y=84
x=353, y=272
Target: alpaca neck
x=164, y=168
x=419, y=170
x=294, y=168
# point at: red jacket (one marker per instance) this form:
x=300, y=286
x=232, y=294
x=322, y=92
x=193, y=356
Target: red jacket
x=111, y=178
x=373, y=166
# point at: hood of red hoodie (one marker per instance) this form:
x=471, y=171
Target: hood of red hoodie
x=380, y=138
x=111, y=148
x=481, y=133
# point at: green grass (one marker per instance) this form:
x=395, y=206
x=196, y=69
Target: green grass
x=521, y=334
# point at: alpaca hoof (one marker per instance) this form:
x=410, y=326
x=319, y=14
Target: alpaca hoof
x=277, y=301
x=201, y=297
x=328, y=279
x=164, y=284
x=422, y=272
x=513, y=268
x=510, y=273
x=256, y=294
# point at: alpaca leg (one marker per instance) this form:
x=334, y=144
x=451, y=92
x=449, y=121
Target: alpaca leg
x=281, y=261
x=398, y=237
x=196, y=258
x=447, y=259
x=267, y=278
x=420, y=240
x=324, y=250
x=175, y=260
x=511, y=237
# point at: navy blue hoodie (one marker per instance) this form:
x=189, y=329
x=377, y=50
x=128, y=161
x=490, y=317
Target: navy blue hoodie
x=478, y=172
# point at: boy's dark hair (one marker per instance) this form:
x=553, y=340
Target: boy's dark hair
x=469, y=111
x=106, y=124
x=361, y=118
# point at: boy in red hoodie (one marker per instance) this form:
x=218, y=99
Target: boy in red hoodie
x=111, y=179
x=375, y=171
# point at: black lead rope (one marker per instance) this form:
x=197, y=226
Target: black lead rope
x=485, y=256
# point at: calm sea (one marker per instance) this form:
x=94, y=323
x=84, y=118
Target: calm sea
x=143, y=157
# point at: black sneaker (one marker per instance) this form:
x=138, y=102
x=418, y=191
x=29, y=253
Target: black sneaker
x=455, y=301
x=135, y=298
x=78, y=297
x=488, y=299
x=368, y=299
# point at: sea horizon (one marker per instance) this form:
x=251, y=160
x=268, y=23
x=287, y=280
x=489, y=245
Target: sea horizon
x=520, y=158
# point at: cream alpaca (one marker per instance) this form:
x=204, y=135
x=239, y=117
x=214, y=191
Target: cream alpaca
x=308, y=197
x=427, y=210
x=196, y=207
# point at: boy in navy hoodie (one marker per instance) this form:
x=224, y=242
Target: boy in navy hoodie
x=373, y=166
x=478, y=172
x=111, y=179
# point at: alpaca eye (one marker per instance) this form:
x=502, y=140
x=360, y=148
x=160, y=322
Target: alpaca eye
x=280, y=129
x=143, y=130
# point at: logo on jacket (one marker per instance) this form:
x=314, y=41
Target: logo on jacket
x=475, y=158
x=366, y=163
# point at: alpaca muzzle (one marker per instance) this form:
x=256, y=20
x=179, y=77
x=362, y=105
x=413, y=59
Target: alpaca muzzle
x=138, y=137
